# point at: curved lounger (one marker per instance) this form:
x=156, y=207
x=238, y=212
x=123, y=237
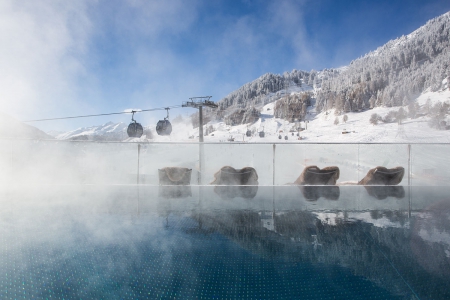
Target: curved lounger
x=230, y=176
x=233, y=182
x=312, y=175
x=174, y=176
x=383, y=176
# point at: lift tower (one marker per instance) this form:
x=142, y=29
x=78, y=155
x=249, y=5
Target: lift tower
x=199, y=102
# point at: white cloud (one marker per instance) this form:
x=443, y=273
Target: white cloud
x=48, y=59
x=42, y=44
x=287, y=20
x=147, y=18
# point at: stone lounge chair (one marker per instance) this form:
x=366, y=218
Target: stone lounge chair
x=230, y=176
x=312, y=175
x=174, y=176
x=383, y=176
x=231, y=182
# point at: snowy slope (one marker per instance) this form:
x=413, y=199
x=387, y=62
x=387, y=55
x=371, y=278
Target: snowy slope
x=12, y=128
x=100, y=130
x=320, y=127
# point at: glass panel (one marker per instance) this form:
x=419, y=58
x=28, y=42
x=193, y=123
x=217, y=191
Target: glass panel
x=238, y=156
x=6, y=161
x=156, y=156
x=385, y=155
x=108, y=163
x=290, y=160
x=62, y=162
x=429, y=164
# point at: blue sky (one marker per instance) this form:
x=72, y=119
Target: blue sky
x=65, y=58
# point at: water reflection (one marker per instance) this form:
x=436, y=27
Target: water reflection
x=181, y=245
x=230, y=192
x=382, y=192
x=175, y=191
x=313, y=193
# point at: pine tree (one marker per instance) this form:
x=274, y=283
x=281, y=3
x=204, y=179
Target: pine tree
x=401, y=115
x=374, y=118
x=412, y=110
x=347, y=106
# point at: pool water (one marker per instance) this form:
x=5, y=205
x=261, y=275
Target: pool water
x=144, y=242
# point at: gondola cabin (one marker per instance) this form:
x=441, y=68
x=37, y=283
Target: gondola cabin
x=163, y=127
x=134, y=130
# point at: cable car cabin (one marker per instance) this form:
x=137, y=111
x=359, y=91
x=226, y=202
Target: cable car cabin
x=135, y=130
x=248, y=133
x=261, y=134
x=163, y=127
x=286, y=137
x=279, y=137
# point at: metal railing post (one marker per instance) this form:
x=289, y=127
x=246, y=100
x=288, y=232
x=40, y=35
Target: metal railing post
x=273, y=164
x=139, y=154
x=409, y=180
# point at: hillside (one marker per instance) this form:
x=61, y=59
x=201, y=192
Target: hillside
x=12, y=128
x=109, y=131
x=411, y=73
x=393, y=75
x=321, y=127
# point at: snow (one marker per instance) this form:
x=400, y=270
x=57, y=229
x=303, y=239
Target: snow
x=333, y=218
x=106, y=128
x=320, y=128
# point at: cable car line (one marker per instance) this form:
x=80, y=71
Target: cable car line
x=163, y=127
x=106, y=114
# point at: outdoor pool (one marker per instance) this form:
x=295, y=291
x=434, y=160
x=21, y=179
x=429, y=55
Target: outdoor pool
x=150, y=242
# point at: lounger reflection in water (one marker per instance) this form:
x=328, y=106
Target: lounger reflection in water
x=175, y=182
x=315, y=183
x=382, y=192
x=381, y=182
x=313, y=193
x=231, y=182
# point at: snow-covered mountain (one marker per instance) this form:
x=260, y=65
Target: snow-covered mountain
x=411, y=73
x=395, y=74
x=326, y=126
x=107, y=131
x=12, y=128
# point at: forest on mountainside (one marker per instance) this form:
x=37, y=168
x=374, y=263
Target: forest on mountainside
x=255, y=94
x=293, y=107
x=394, y=74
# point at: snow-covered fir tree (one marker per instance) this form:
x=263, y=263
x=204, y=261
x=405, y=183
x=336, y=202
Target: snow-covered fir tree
x=392, y=75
